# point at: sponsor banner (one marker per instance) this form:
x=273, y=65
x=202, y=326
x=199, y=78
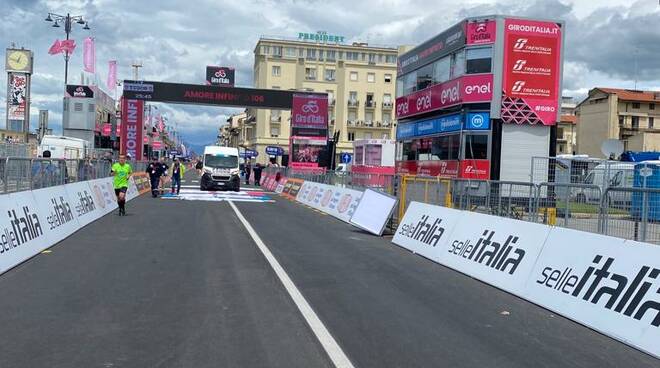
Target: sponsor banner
x=606, y=283
x=475, y=169
x=477, y=121
x=292, y=187
x=335, y=201
x=83, y=205
x=406, y=167
x=104, y=194
x=132, y=191
x=481, y=32
x=220, y=76
x=280, y=186
x=425, y=229
x=441, y=45
x=466, y=89
x=17, y=96
x=531, y=75
x=23, y=230
x=444, y=169
x=57, y=211
x=74, y=90
x=131, y=132
x=309, y=111
x=142, y=182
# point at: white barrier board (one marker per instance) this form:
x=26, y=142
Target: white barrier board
x=374, y=211
x=335, y=201
x=82, y=200
x=104, y=194
x=58, y=212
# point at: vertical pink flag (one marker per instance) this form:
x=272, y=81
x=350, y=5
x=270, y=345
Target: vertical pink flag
x=112, y=75
x=89, y=55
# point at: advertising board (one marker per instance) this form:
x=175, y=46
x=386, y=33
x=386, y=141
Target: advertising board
x=17, y=98
x=443, y=44
x=220, y=76
x=131, y=132
x=58, y=211
x=82, y=201
x=336, y=201
x=481, y=32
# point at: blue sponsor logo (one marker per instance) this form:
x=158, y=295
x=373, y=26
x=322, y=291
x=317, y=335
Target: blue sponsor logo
x=477, y=121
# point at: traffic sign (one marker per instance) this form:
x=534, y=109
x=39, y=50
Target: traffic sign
x=346, y=158
x=274, y=150
x=249, y=153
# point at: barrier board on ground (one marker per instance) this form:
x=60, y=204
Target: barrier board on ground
x=280, y=185
x=336, y=201
x=142, y=182
x=609, y=284
x=374, y=211
x=58, y=212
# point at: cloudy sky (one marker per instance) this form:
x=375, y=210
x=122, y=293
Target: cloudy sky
x=175, y=40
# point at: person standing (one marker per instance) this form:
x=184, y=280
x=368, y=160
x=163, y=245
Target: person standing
x=154, y=170
x=163, y=174
x=199, y=166
x=121, y=171
x=177, y=171
x=257, y=174
x=248, y=170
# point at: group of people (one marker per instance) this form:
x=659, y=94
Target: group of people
x=158, y=172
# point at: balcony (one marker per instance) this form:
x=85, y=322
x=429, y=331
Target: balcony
x=353, y=103
x=388, y=105
x=370, y=104
x=276, y=119
x=368, y=124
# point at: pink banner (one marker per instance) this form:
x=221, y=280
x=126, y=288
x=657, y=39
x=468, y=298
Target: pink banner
x=481, y=32
x=309, y=111
x=467, y=89
x=131, y=135
x=68, y=46
x=56, y=48
x=112, y=75
x=89, y=55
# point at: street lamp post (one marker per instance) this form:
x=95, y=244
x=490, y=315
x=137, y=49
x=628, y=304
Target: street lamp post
x=68, y=23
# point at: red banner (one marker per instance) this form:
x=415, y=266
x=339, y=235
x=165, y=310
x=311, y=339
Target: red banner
x=309, y=111
x=475, y=169
x=531, y=74
x=443, y=169
x=131, y=133
x=481, y=32
x=468, y=89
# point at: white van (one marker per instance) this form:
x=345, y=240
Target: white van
x=64, y=147
x=610, y=174
x=221, y=169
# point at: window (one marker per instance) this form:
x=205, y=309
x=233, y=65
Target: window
x=560, y=133
x=442, y=70
x=364, y=56
x=372, y=58
x=274, y=131
x=368, y=135
x=651, y=122
x=368, y=117
x=652, y=106
x=350, y=55
x=388, y=78
x=331, y=96
x=351, y=136
x=330, y=55
x=301, y=52
x=390, y=59
x=476, y=147
x=387, y=98
x=340, y=55
x=409, y=83
x=352, y=96
x=457, y=64
x=635, y=105
x=387, y=118
x=277, y=51
x=310, y=73
x=399, y=87
x=277, y=70
x=311, y=54
x=91, y=108
x=635, y=122
x=290, y=52
x=352, y=116
x=371, y=77
x=265, y=50
x=622, y=120
x=330, y=75
x=478, y=60
x=354, y=76
x=424, y=77
x=321, y=55
x=78, y=107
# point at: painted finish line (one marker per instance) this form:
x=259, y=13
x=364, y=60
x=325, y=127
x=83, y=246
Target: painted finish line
x=213, y=196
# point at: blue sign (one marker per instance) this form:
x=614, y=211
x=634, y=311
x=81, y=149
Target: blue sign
x=477, y=121
x=346, y=158
x=249, y=153
x=405, y=130
x=274, y=151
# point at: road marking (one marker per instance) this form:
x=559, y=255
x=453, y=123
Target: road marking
x=46, y=251
x=338, y=357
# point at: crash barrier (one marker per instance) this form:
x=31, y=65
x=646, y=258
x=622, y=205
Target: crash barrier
x=608, y=284
x=360, y=181
x=38, y=219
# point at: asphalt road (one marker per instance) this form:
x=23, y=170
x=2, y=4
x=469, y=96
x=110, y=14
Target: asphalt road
x=182, y=284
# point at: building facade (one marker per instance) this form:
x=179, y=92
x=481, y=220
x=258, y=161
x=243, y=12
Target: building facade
x=359, y=80
x=567, y=127
x=89, y=114
x=231, y=134
x=631, y=116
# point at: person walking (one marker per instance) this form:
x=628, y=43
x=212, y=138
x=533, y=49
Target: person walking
x=121, y=171
x=176, y=173
x=248, y=170
x=257, y=174
x=154, y=170
x=164, y=168
x=199, y=166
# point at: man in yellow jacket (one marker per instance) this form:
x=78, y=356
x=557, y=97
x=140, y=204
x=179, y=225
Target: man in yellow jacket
x=176, y=173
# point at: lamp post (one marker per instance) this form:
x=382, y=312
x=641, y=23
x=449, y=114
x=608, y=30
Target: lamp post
x=68, y=21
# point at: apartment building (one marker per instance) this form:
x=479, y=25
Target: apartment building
x=358, y=78
x=632, y=116
x=567, y=127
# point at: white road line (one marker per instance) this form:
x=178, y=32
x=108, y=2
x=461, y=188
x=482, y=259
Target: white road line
x=338, y=357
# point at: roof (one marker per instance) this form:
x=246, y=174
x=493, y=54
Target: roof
x=633, y=95
x=569, y=119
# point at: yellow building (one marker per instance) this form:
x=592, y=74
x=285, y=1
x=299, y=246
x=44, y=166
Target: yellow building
x=359, y=79
x=628, y=115
x=567, y=127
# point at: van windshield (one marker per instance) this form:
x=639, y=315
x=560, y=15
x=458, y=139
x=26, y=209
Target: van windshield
x=221, y=161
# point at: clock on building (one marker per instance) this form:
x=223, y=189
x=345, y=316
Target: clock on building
x=18, y=61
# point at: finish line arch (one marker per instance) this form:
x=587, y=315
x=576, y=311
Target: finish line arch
x=309, y=110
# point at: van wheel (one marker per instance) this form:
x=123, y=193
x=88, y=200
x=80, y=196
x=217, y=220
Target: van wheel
x=202, y=188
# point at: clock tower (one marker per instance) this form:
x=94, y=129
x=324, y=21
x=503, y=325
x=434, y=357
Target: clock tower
x=18, y=64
